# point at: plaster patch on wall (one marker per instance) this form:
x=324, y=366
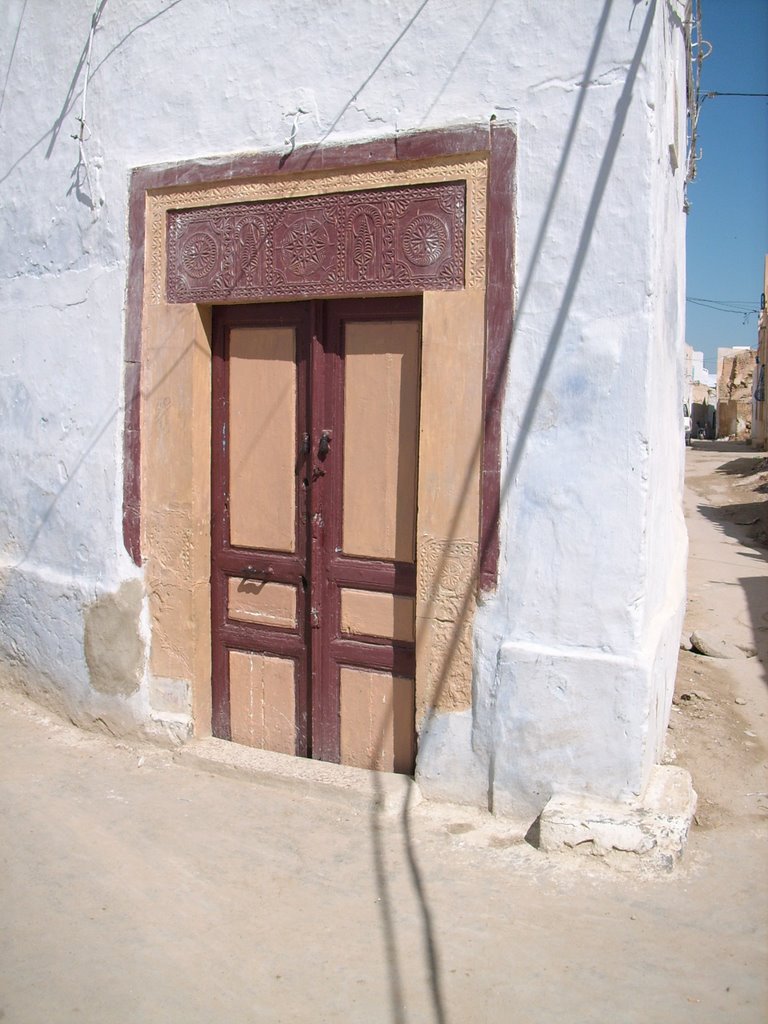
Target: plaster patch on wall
x=114, y=649
x=170, y=696
x=449, y=768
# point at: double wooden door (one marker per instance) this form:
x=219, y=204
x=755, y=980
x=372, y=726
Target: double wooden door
x=314, y=485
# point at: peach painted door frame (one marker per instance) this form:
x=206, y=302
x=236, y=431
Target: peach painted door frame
x=313, y=567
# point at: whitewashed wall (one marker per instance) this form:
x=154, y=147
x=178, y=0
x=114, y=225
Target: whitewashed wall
x=575, y=653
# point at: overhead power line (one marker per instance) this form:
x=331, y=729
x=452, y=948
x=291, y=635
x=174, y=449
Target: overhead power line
x=722, y=302
x=726, y=305
x=711, y=95
x=743, y=309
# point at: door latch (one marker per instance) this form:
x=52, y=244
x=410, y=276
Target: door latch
x=314, y=618
x=325, y=444
x=250, y=572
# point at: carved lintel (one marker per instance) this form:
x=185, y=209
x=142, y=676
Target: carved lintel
x=386, y=240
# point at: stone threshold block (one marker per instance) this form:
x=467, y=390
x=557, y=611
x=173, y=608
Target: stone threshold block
x=654, y=828
x=358, y=788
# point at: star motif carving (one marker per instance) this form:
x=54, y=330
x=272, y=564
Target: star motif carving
x=305, y=246
x=375, y=241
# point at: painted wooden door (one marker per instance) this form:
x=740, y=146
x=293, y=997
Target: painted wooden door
x=313, y=574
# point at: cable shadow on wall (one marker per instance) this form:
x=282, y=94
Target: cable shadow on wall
x=12, y=54
x=73, y=94
x=83, y=456
x=378, y=828
x=313, y=149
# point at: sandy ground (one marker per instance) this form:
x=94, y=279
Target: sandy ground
x=135, y=888
x=719, y=726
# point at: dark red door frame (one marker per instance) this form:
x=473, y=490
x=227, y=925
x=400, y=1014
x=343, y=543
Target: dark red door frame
x=322, y=700
x=318, y=569
x=496, y=139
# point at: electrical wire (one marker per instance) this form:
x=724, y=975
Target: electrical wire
x=711, y=95
x=719, y=306
x=697, y=51
x=81, y=138
x=731, y=303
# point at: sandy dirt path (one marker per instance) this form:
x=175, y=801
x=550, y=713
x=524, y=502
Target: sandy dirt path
x=135, y=888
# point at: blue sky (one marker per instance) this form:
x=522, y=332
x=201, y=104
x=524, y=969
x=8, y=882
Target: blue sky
x=728, y=222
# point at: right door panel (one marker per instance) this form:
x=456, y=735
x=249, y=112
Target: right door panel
x=381, y=416
x=370, y=556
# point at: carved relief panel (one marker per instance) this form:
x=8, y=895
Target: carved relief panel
x=390, y=240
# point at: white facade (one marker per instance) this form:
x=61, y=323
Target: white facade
x=575, y=653
x=695, y=371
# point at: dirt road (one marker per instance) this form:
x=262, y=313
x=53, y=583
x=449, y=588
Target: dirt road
x=720, y=719
x=138, y=889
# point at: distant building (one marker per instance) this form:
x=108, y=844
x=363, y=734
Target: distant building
x=695, y=371
x=736, y=368
x=759, y=403
x=703, y=409
x=699, y=394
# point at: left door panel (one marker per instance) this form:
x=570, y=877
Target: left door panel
x=259, y=563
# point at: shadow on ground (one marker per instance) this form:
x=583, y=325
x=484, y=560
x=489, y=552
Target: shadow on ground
x=747, y=523
x=744, y=521
x=722, y=446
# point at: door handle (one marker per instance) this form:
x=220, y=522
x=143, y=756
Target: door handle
x=325, y=444
x=250, y=572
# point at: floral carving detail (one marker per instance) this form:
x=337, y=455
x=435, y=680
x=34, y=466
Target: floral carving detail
x=390, y=240
x=363, y=245
x=448, y=672
x=446, y=576
x=170, y=204
x=251, y=236
x=425, y=240
x=199, y=253
x=305, y=246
